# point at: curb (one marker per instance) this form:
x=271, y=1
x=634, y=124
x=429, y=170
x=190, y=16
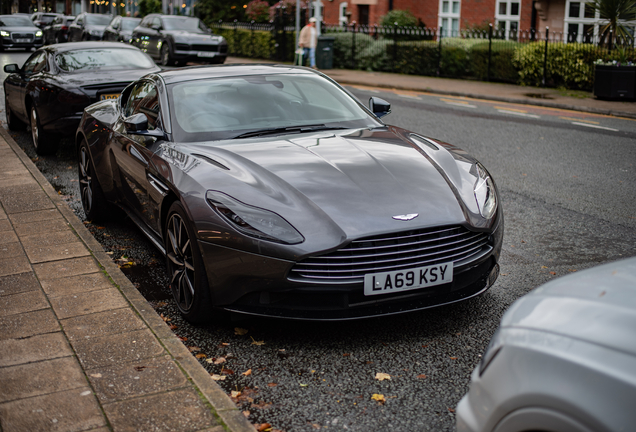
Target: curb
x=223, y=406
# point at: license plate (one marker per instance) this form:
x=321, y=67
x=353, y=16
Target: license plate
x=23, y=40
x=109, y=96
x=206, y=54
x=409, y=279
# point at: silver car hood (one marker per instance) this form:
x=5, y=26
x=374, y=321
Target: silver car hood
x=597, y=305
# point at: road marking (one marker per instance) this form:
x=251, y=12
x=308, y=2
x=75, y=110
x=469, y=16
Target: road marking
x=595, y=126
x=408, y=96
x=521, y=114
x=458, y=103
x=577, y=119
x=510, y=109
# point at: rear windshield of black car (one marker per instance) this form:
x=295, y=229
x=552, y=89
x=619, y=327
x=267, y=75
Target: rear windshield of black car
x=98, y=19
x=102, y=59
x=47, y=18
x=193, y=25
x=15, y=21
x=129, y=24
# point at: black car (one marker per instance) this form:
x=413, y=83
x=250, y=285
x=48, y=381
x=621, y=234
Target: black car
x=88, y=26
x=172, y=39
x=273, y=191
x=43, y=19
x=120, y=29
x=57, y=31
x=58, y=81
x=18, y=31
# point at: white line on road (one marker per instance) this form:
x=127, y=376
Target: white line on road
x=460, y=104
x=519, y=114
x=595, y=126
x=407, y=96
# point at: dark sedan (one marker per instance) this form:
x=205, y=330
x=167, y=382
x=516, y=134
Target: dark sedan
x=57, y=31
x=18, y=31
x=88, y=26
x=177, y=40
x=58, y=81
x=273, y=191
x=120, y=29
x=43, y=19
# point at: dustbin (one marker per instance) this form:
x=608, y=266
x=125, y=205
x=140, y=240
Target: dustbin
x=324, y=52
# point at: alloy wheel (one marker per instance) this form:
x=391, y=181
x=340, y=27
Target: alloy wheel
x=180, y=262
x=35, y=130
x=85, y=180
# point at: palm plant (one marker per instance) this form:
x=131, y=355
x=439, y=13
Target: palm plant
x=614, y=15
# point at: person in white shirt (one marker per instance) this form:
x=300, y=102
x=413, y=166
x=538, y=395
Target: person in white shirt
x=308, y=40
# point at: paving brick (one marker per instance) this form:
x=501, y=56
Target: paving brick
x=87, y=303
x=28, y=324
x=48, y=238
x=22, y=302
x=40, y=254
x=8, y=237
x=36, y=348
x=27, y=202
x=5, y=225
x=41, y=227
x=17, y=283
x=36, y=216
x=76, y=284
x=174, y=411
x=124, y=381
x=20, y=189
x=34, y=379
x=11, y=250
x=119, y=348
x=101, y=324
x=10, y=181
x=69, y=411
x=66, y=268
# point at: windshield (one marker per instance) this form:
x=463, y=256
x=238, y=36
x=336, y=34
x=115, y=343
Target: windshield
x=193, y=25
x=103, y=59
x=223, y=108
x=130, y=24
x=98, y=19
x=47, y=18
x=15, y=21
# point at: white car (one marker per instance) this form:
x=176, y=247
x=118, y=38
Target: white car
x=563, y=359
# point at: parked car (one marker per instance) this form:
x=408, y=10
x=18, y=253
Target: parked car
x=563, y=359
x=18, y=31
x=274, y=192
x=120, y=29
x=57, y=31
x=88, y=26
x=42, y=19
x=57, y=82
x=172, y=40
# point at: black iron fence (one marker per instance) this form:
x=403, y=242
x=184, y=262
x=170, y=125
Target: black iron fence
x=536, y=58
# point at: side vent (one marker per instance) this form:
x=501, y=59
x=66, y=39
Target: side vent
x=211, y=161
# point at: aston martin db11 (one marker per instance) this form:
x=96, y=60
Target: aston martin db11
x=273, y=191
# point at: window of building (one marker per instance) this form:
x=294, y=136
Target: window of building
x=342, y=15
x=507, y=18
x=580, y=22
x=448, y=17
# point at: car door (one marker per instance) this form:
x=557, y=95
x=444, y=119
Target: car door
x=138, y=185
x=15, y=85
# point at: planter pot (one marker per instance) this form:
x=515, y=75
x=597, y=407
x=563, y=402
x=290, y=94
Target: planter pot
x=615, y=82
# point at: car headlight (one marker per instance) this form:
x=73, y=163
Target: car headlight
x=485, y=193
x=38, y=33
x=494, y=347
x=254, y=221
x=5, y=33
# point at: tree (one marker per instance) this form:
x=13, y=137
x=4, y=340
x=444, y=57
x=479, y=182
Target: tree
x=211, y=11
x=149, y=6
x=258, y=10
x=401, y=17
x=614, y=14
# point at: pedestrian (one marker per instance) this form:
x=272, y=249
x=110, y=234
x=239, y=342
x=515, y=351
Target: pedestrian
x=307, y=41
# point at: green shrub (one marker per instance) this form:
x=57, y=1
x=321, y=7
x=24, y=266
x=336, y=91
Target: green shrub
x=502, y=67
x=401, y=17
x=417, y=58
x=253, y=44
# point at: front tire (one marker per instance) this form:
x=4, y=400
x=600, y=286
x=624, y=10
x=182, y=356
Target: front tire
x=166, y=56
x=96, y=208
x=188, y=281
x=43, y=142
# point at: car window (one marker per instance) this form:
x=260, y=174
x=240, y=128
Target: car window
x=129, y=24
x=193, y=25
x=36, y=63
x=115, y=23
x=98, y=19
x=156, y=22
x=103, y=59
x=143, y=99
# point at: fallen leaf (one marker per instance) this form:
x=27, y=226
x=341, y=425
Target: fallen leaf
x=544, y=267
x=183, y=338
x=246, y=414
x=172, y=327
x=247, y=372
x=227, y=371
x=140, y=368
x=346, y=354
x=194, y=349
x=263, y=427
x=211, y=360
x=96, y=375
x=259, y=343
x=235, y=394
x=303, y=385
x=451, y=410
x=380, y=376
x=421, y=376
x=272, y=385
x=225, y=344
x=240, y=331
x=200, y=356
x=219, y=360
x=553, y=273
x=453, y=358
x=217, y=377
x=378, y=397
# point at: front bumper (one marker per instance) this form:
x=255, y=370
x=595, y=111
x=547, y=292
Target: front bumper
x=200, y=53
x=8, y=42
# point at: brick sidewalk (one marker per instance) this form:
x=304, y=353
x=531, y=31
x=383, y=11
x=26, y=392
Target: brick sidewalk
x=80, y=348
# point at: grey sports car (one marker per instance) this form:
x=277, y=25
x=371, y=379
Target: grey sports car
x=274, y=192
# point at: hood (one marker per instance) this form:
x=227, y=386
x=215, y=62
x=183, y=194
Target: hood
x=184, y=35
x=21, y=29
x=597, y=305
x=360, y=180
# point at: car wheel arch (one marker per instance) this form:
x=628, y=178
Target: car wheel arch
x=540, y=419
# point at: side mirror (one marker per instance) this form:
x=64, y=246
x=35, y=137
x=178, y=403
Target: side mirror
x=379, y=107
x=11, y=68
x=137, y=124
x=156, y=27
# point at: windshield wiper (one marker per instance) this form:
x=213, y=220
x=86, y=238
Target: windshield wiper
x=288, y=129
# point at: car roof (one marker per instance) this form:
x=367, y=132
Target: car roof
x=230, y=70
x=597, y=305
x=71, y=46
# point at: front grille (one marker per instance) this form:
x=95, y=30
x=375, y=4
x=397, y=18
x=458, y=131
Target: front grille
x=182, y=47
x=389, y=252
x=205, y=47
x=29, y=36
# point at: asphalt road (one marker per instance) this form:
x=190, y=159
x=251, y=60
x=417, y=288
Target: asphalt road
x=569, y=196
